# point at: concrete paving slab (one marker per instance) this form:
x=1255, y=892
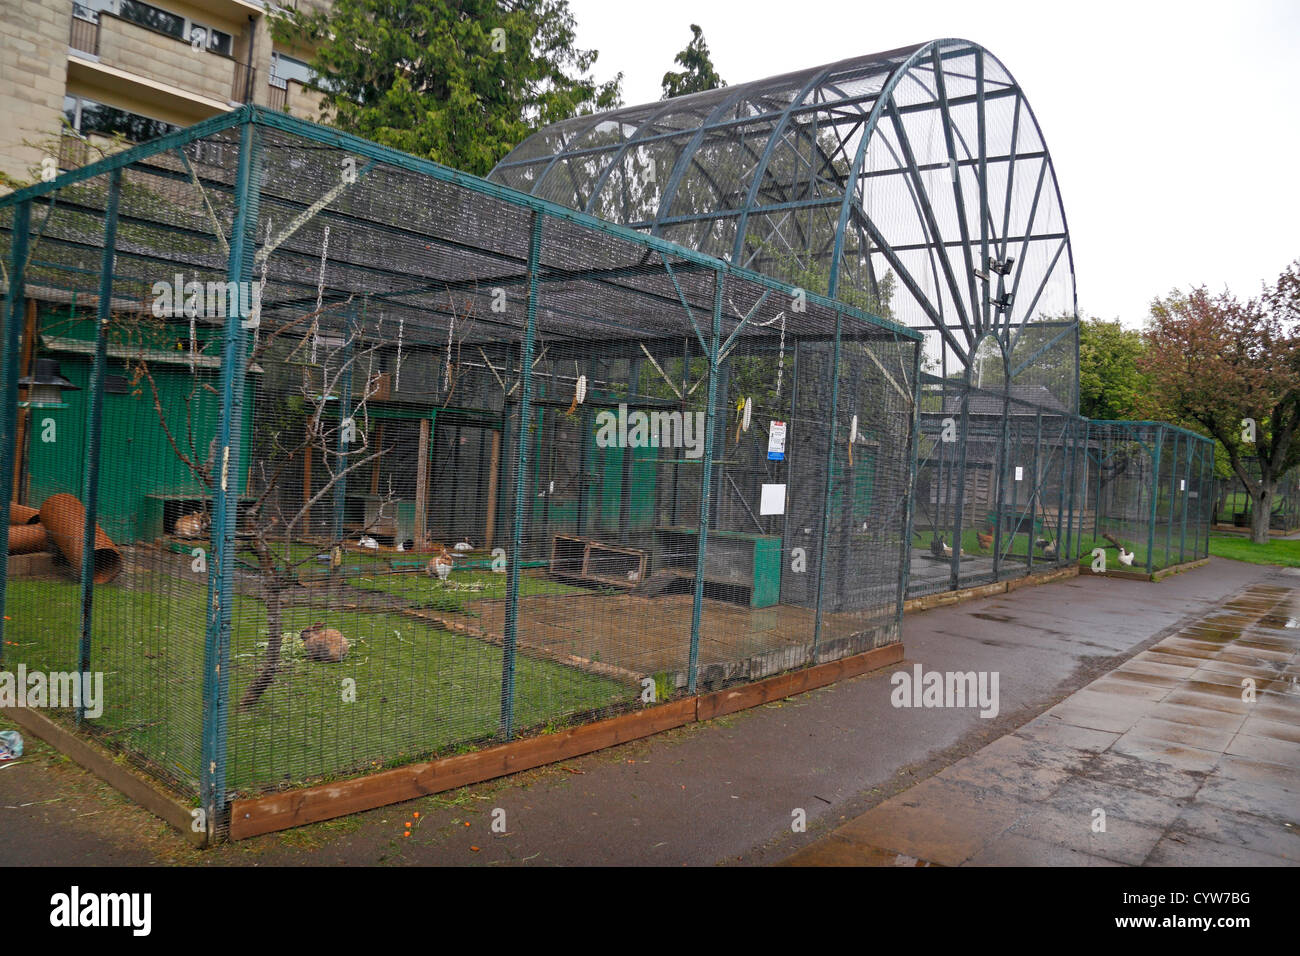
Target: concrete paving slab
x=1157, y=747
x=1184, y=849
x=1239, y=829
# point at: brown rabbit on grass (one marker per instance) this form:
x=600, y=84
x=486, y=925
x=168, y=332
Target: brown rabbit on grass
x=323, y=643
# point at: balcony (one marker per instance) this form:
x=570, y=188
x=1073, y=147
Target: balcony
x=138, y=55
x=84, y=36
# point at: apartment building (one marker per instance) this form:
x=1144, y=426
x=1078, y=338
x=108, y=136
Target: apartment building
x=77, y=73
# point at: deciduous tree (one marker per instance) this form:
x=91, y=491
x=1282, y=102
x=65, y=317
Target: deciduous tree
x=1233, y=368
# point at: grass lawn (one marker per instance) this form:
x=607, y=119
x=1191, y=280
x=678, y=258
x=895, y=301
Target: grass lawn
x=461, y=589
x=1240, y=548
x=418, y=689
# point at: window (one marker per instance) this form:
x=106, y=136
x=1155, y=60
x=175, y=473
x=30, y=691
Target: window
x=285, y=68
x=90, y=118
x=219, y=42
x=153, y=18
x=172, y=24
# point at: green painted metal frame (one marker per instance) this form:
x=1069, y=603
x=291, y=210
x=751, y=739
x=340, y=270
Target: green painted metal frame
x=9, y=397
x=710, y=426
x=832, y=424
x=511, y=630
x=90, y=493
x=216, y=648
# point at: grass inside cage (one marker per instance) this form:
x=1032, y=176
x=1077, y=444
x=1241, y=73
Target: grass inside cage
x=418, y=689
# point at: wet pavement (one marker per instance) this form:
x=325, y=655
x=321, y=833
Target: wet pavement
x=1184, y=773
x=1186, y=754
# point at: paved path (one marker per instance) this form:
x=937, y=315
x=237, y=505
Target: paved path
x=1160, y=762
x=722, y=792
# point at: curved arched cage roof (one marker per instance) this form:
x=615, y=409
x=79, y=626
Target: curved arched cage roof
x=914, y=183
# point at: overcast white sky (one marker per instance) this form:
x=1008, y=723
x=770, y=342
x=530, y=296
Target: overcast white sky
x=1174, y=127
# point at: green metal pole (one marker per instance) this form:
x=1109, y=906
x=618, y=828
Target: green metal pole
x=1155, y=495
x=1035, y=486
x=692, y=671
x=90, y=492
x=9, y=404
x=1169, y=507
x=1061, y=543
x=511, y=636
x=1185, y=492
x=216, y=646
x=914, y=450
x=1004, y=467
x=959, y=513
x=829, y=484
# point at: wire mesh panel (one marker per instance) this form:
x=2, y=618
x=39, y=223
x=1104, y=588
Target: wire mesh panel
x=1146, y=491
x=996, y=472
x=389, y=462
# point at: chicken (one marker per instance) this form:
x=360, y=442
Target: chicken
x=366, y=541
x=321, y=643
x=634, y=575
x=985, y=538
x=1048, y=546
x=462, y=546
x=440, y=564
x=1125, y=557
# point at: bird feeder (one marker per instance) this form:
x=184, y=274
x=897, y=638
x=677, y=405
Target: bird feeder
x=45, y=385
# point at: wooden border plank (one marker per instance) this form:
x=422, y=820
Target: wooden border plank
x=297, y=807
x=780, y=686
x=102, y=764
x=292, y=808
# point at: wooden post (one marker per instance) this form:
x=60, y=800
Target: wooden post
x=494, y=474
x=422, y=488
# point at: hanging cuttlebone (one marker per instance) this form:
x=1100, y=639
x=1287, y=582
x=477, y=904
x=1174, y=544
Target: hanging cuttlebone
x=853, y=437
x=579, y=390
x=744, y=409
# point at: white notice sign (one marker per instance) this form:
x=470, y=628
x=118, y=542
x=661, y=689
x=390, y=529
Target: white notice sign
x=772, y=501
x=776, y=442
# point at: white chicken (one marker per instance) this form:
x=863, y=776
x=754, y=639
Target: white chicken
x=440, y=564
x=463, y=546
x=1125, y=557
x=365, y=541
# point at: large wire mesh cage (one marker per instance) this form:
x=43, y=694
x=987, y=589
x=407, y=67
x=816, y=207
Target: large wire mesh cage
x=998, y=488
x=1234, y=506
x=361, y=460
x=1148, y=499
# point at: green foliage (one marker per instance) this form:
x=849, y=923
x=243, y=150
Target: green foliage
x=1111, y=385
x=459, y=83
x=698, y=75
